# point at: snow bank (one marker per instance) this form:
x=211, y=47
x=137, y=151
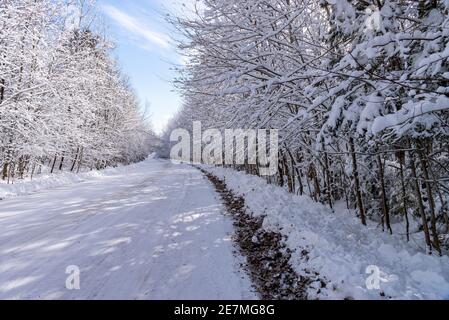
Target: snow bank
x=57, y=179
x=352, y=258
x=45, y=181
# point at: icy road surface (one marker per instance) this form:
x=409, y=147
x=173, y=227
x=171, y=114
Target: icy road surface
x=148, y=231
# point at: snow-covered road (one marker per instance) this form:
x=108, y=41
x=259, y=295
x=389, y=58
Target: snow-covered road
x=148, y=231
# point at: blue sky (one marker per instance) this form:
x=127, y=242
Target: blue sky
x=144, y=50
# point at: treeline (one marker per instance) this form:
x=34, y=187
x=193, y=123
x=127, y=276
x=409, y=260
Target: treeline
x=63, y=102
x=359, y=90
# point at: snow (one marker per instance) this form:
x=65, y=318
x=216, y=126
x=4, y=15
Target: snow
x=412, y=114
x=152, y=230
x=47, y=180
x=156, y=230
x=339, y=248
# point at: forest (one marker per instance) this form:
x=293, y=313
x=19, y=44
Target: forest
x=64, y=103
x=358, y=89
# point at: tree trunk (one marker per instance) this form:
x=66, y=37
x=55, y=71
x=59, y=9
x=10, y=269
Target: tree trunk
x=80, y=160
x=401, y=158
x=21, y=167
x=299, y=174
x=74, y=160
x=289, y=174
x=32, y=170
x=327, y=175
x=12, y=168
x=385, y=209
x=420, y=203
x=442, y=198
x=355, y=173
x=436, y=241
x=2, y=90
x=5, y=171
x=281, y=171
x=316, y=183
x=61, y=163
x=54, y=163
x=310, y=188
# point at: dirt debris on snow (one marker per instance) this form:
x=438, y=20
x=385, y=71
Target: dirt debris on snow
x=266, y=254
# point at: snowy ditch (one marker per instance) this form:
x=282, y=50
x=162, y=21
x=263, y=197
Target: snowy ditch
x=355, y=262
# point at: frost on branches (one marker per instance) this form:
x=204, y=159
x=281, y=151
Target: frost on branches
x=63, y=103
x=359, y=90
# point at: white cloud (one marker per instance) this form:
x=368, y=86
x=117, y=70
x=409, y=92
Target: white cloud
x=136, y=27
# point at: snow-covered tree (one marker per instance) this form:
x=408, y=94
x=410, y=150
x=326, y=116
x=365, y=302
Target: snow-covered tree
x=63, y=100
x=358, y=90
